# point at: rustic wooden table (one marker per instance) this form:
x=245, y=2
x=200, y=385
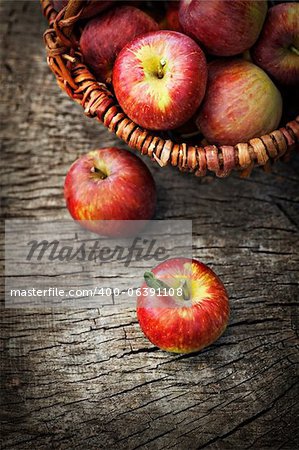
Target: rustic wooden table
x=90, y=380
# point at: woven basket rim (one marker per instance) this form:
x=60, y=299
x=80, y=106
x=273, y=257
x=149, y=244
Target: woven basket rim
x=74, y=77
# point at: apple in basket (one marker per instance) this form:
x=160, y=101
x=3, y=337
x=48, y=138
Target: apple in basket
x=91, y=8
x=183, y=306
x=224, y=27
x=277, y=49
x=159, y=79
x=104, y=36
x=106, y=189
x=172, y=16
x=241, y=103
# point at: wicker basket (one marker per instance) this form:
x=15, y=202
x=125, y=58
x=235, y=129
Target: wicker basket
x=64, y=59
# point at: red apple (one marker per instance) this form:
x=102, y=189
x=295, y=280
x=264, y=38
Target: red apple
x=224, y=27
x=104, y=37
x=183, y=306
x=92, y=7
x=241, y=103
x=172, y=16
x=110, y=184
x=160, y=79
x=277, y=49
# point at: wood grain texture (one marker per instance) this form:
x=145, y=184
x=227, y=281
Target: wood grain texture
x=88, y=379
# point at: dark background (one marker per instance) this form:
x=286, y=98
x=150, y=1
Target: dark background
x=84, y=379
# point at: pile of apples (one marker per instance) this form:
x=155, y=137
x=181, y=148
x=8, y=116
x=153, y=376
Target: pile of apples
x=154, y=55
x=155, y=60
x=156, y=64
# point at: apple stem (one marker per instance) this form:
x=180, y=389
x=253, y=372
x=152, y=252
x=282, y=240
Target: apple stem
x=294, y=49
x=153, y=282
x=160, y=72
x=99, y=173
x=186, y=293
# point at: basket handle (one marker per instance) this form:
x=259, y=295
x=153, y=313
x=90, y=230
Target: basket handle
x=57, y=41
x=72, y=9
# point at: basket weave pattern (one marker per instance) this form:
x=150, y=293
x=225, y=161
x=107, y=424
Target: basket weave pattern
x=65, y=60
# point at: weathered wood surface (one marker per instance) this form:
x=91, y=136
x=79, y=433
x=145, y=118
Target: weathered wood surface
x=85, y=379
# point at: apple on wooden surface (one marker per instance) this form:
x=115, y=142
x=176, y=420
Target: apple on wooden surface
x=160, y=79
x=224, y=27
x=194, y=313
x=110, y=184
x=104, y=36
x=277, y=49
x=241, y=103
